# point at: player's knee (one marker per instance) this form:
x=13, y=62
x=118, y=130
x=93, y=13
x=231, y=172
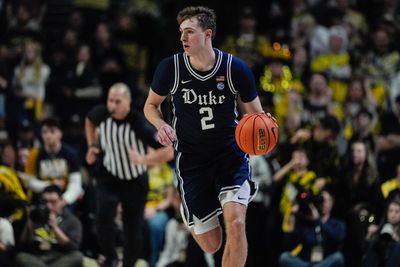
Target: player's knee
x=210, y=241
x=211, y=246
x=237, y=225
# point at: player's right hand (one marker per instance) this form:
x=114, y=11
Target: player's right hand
x=166, y=135
x=91, y=154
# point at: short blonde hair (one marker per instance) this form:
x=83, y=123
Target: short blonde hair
x=206, y=17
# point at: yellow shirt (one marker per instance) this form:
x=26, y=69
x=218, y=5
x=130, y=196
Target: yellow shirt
x=324, y=62
x=160, y=177
x=389, y=186
x=11, y=185
x=307, y=182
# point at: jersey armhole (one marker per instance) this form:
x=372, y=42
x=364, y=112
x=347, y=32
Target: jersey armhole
x=229, y=75
x=176, y=74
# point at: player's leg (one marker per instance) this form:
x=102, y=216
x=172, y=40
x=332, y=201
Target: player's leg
x=236, y=192
x=200, y=206
x=207, y=235
x=209, y=241
x=234, y=201
x=235, y=251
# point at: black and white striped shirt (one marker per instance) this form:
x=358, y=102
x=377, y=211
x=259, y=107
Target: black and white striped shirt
x=118, y=136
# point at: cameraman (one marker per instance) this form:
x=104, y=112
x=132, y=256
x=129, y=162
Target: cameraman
x=316, y=237
x=52, y=235
x=383, y=243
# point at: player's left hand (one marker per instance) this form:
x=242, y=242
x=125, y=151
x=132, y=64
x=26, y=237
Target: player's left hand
x=270, y=116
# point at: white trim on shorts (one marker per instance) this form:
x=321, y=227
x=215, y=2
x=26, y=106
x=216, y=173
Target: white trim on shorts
x=239, y=195
x=231, y=194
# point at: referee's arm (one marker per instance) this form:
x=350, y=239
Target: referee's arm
x=153, y=157
x=93, y=150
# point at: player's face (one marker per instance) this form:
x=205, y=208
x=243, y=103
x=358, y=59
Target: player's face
x=193, y=37
x=118, y=104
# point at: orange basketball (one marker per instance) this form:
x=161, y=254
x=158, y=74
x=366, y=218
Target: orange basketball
x=257, y=134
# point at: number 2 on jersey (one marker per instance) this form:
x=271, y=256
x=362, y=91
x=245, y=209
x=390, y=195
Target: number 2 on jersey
x=206, y=119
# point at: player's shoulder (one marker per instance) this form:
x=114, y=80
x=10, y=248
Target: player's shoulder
x=235, y=62
x=238, y=66
x=166, y=65
x=238, y=63
x=169, y=61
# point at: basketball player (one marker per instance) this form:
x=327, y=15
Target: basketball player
x=213, y=173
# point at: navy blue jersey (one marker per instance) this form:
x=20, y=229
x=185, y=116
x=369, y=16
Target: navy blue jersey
x=204, y=103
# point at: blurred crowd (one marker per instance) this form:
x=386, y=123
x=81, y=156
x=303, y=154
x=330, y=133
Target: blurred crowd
x=329, y=71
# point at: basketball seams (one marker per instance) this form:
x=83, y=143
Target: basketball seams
x=269, y=135
x=242, y=124
x=254, y=126
x=248, y=137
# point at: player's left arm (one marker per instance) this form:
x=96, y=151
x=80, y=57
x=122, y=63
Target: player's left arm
x=253, y=106
x=244, y=82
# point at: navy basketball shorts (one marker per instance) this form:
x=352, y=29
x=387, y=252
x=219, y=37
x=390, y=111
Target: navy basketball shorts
x=207, y=181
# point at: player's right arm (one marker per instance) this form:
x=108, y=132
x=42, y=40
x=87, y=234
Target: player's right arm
x=152, y=110
x=161, y=85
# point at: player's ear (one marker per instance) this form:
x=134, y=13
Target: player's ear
x=209, y=33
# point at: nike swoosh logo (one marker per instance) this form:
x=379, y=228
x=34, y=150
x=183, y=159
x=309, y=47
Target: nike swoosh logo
x=242, y=198
x=183, y=82
x=273, y=131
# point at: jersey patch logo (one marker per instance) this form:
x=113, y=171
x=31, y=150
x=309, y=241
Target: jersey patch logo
x=187, y=81
x=220, y=86
x=220, y=78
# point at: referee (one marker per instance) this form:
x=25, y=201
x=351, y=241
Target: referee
x=117, y=135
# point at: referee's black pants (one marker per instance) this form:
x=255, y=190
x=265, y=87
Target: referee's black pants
x=132, y=194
